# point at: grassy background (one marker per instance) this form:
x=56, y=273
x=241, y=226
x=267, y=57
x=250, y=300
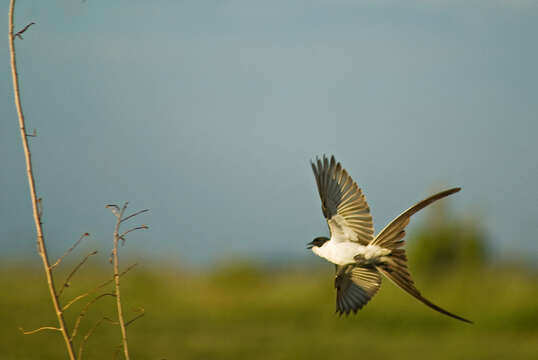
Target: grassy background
x=246, y=311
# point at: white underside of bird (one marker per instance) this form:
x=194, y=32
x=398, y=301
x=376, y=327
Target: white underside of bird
x=346, y=252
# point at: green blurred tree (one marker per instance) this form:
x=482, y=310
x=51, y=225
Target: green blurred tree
x=447, y=242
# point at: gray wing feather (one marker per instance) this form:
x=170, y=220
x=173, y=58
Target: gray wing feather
x=355, y=286
x=342, y=202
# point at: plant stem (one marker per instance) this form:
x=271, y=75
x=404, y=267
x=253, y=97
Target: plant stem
x=35, y=206
x=117, y=281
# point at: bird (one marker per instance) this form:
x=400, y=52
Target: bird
x=360, y=258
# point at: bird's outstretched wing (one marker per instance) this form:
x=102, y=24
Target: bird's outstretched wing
x=355, y=286
x=342, y=202
x=394, y=266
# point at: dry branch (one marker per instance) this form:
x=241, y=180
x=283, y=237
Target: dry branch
x=31, y=182
x=133, y=215
x=72, y=273
x=114, y=208
x=40, y=329
x=69, y=250
x=122, y=235
x=20, y=32
x=90, y=332
x=142, y=312
x=85, y=310
x=118, y=213
x=100, y=286
x=117, y=281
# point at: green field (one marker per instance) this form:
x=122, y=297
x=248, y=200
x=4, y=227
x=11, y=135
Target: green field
x=251, y=312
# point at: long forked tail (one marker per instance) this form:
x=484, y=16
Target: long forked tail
x=394, y=265
x=395, y=269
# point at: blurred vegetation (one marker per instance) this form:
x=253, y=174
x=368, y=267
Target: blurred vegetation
x=242, y=310
x=445, y=242
x=252, y=312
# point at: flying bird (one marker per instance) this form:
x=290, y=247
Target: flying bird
x=360, y=257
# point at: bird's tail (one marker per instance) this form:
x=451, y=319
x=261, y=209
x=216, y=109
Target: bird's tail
x=394, y=265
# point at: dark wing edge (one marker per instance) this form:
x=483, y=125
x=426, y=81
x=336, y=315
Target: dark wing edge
x=355, y=286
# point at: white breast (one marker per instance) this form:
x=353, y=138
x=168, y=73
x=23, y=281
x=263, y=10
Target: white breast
x=343, y=253
x=340, y=253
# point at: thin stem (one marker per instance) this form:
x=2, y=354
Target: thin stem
x=100, y=286
x=85, y=310
x=117, y=281
x=90, y=332
x=73, y=272
x=122, y=235
x=40, y=329
x=142, y=312
x=31, y=183
x=133, y=215
x=68, y=251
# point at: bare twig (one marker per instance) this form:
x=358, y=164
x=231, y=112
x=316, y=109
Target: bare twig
x=85, y=310
x=31, y=183
x=117, y=281
x=69, y=250
x=72, y=273
x=119, y=212
x=90, y=332
x=141, y=313
x=133, y=215
x=122, y=235
x=40, y=329
x=20, y=32
x=100, y=286
x=114, y=208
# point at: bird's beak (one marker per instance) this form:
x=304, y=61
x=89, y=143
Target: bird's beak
x=310, y=245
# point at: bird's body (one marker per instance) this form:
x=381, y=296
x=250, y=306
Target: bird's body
x=361, y=258
x=346, y=252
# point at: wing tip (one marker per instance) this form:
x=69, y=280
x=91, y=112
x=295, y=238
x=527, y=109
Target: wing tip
x=322, y=157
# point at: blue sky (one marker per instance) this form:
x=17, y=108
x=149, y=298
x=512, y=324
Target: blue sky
x=207, y=112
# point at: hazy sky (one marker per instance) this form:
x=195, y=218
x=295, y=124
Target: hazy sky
x=207, y=112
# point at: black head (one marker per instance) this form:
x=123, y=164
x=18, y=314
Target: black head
x=319, y=241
